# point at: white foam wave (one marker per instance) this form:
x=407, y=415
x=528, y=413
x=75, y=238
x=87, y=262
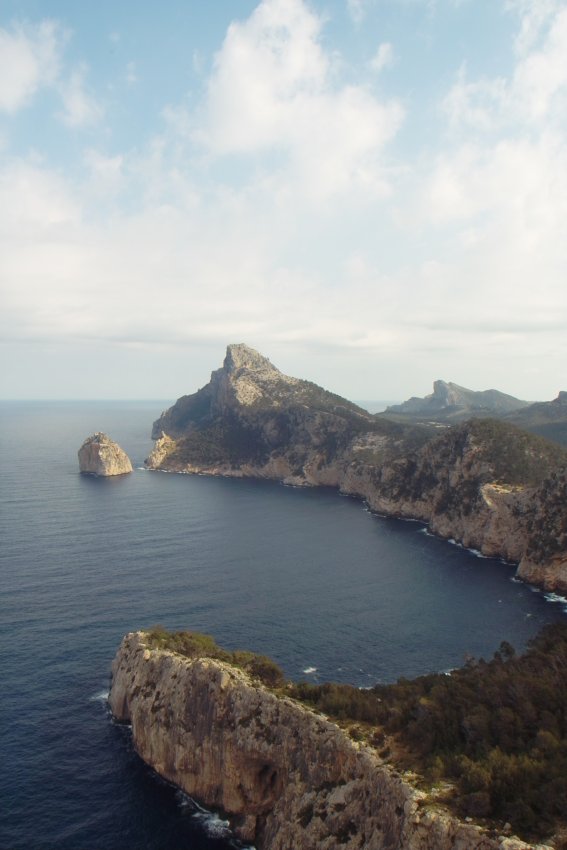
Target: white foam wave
x=310, y=670
x=476, y=552
x=212, y=824
x=101, y=696
x=554, y=597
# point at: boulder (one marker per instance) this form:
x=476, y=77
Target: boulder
x=99, y=455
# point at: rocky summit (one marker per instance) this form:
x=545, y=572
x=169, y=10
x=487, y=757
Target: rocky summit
x=99, y=455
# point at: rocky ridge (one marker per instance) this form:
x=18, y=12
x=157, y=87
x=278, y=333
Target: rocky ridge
x=99, y=455
x=451, y=403
x=286, y=775
x=547, y=418
x=485, y=483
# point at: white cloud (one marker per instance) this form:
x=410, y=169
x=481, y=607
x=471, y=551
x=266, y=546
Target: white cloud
x=33, y=199
x=383, y=57
x=29, y=60
x=81, y=108
x=475, y=104
x=272, y=91
x=536, y=91
x=131, y=73
x=357, y=9
x=266, y=213
x=541, y=77
x=492, y=216
x=535, y=16
x=267, y=66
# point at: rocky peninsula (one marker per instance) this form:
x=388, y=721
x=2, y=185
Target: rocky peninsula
x=99, y=455
x=486, y=483
x=285, y=774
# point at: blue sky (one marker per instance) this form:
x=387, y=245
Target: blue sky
x=373, y=193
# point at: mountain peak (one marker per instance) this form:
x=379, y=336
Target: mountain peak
x=241, y=356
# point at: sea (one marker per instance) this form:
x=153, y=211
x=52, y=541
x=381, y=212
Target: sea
x=309, y=577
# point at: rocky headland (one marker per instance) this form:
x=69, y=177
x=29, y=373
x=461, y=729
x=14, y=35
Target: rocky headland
x=99, y=455
x=485, y=482
x=285, y=774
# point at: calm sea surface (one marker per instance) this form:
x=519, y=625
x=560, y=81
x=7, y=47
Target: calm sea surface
x=306, y=576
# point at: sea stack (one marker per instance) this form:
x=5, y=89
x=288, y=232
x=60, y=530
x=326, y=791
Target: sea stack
x=99, y=455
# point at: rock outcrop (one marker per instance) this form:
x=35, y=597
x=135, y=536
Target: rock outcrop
x=485, y=483
x=99, y=455
x=286, y=776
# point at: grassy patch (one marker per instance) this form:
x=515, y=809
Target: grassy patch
x=197, y=645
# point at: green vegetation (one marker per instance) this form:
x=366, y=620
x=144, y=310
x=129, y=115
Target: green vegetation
x=496, y=730
x=547, y=521
x=516, y=456
x=197, y=645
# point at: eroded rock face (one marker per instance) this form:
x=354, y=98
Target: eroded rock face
x=99, y=455
x=286, y=776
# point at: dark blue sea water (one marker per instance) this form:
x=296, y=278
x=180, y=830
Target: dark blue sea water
x=306, y=576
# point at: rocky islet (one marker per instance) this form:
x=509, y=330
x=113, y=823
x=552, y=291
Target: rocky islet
x=101, y=456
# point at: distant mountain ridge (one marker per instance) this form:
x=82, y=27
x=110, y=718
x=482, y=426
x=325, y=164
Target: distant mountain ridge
x=452, y=402
x=484, y=482
x=546, y=418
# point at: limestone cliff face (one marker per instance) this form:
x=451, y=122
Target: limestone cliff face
x=544, y=561
x=484, y=483
x=99, y=455
x=287, y=777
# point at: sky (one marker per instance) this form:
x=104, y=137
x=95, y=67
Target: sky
x=372, y=193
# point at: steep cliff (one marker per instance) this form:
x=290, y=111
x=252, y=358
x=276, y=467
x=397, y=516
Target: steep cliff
x=481, y=483
x=286, y=775
x=544, y=560
x=99, y=455
x=485, y=483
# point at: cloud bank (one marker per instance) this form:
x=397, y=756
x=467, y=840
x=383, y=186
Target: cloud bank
x=281, y=208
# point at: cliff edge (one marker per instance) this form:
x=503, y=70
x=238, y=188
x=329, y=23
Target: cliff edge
x=286, y=776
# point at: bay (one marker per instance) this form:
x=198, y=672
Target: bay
x=306, y=576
